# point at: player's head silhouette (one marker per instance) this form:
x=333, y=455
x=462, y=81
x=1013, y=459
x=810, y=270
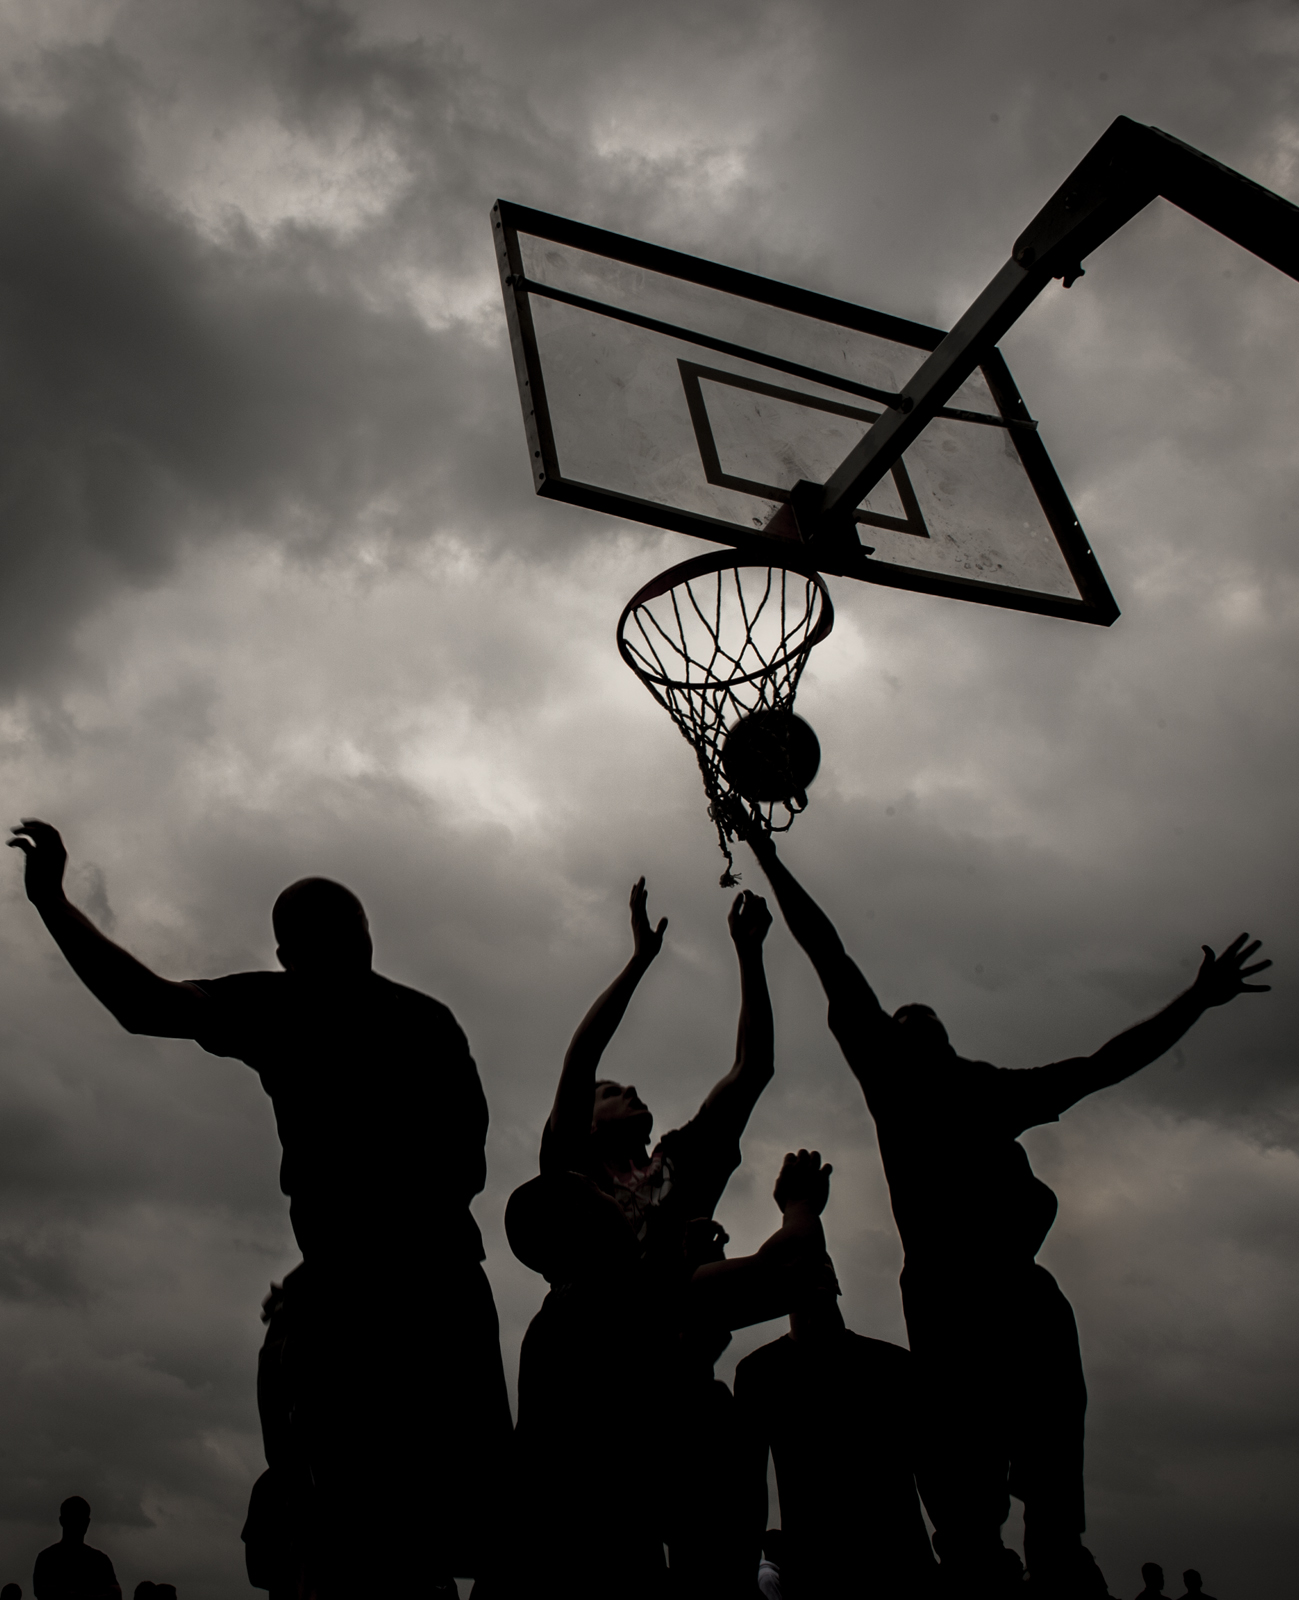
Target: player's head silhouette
x=321, y=929
x=923, y=1029
x=621, y=1122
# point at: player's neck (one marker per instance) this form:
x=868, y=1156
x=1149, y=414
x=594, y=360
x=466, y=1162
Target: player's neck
x=814, y=1323
x=623, y=1157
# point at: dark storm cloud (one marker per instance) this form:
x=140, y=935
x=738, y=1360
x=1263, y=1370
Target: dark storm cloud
x=160, y=387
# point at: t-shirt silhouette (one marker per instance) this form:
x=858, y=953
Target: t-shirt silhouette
x=837, y=1413
x=963, y=1193
x=378, y=1104
x=74, y=1572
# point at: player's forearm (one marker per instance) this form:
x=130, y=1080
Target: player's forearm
x=1139, y=1046
x=138, y=998
x=755, y=1035
x=572, y=1109
x=800, y=1237
x=840, y=976
x=805, y=919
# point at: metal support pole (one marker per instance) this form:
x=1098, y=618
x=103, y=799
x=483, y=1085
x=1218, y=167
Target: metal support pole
x=1126, y=169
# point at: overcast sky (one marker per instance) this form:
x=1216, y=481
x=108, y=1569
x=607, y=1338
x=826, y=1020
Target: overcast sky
x=278, y=599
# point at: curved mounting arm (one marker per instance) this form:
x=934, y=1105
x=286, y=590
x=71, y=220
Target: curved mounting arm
x=1128, y=167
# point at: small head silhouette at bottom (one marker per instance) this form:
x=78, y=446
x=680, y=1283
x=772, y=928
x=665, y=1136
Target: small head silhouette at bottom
x=11, y=1591
x=1152, y=1578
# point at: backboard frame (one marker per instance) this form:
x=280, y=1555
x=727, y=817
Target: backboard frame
x=1095, y=603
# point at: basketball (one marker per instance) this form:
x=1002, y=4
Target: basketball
x=771, y=755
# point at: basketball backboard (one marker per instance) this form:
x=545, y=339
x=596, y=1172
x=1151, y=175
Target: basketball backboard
x=670, y=390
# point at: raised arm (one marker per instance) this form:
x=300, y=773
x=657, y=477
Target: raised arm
x=840, y=976
x=734, y=1096
x=756, y=1288
x=1220, y=979
x=570, y=1118
x=140, y=1000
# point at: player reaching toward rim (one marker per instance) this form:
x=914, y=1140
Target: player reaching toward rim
x=602, y=1129
x=994, y=1339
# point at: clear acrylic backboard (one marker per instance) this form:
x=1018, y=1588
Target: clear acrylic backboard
x=670, y=390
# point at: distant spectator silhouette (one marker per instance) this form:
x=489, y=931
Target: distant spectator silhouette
x=1191, y=1578
x=1152, y=1579
x=164, y=1591
x=71, y=1570
x=994, y=1339
x=383, y=1122
x=837, y=1412
x=11, y=1591
x=602, y=1129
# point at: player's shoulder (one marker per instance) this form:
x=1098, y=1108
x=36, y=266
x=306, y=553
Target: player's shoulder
x=402, y=994
x=400, y=997
x=245, y=991
x=880, y=1352
x=766, y=1358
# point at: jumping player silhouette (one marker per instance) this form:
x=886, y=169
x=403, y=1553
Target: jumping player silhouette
x=994, y=1339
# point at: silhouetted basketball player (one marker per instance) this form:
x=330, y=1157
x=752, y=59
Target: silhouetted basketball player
x=602, y=1129
x=71, y=1570
x=383, y=1123
x=716, y=1504
x=838, y=1414
x=994, y=1339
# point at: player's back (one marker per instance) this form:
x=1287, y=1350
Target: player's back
x=836, y=1413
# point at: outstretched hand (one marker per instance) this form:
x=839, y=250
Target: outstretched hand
x=749, y=921
x=1222, y=978
x=46, y=859
x=648, y=941
x=803, y=1178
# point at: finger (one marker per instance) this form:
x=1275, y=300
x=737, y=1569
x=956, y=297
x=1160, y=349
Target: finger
x=25, y=845
x=826, y=1170
x=1235, y=944
x=1250, y=949
x=1208, y=953
x=1256, y=988
x=1259, y=966
x=35, y=826
x=662, y=927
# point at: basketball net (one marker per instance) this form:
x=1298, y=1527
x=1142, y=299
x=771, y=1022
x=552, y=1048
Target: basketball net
x=716, y=639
